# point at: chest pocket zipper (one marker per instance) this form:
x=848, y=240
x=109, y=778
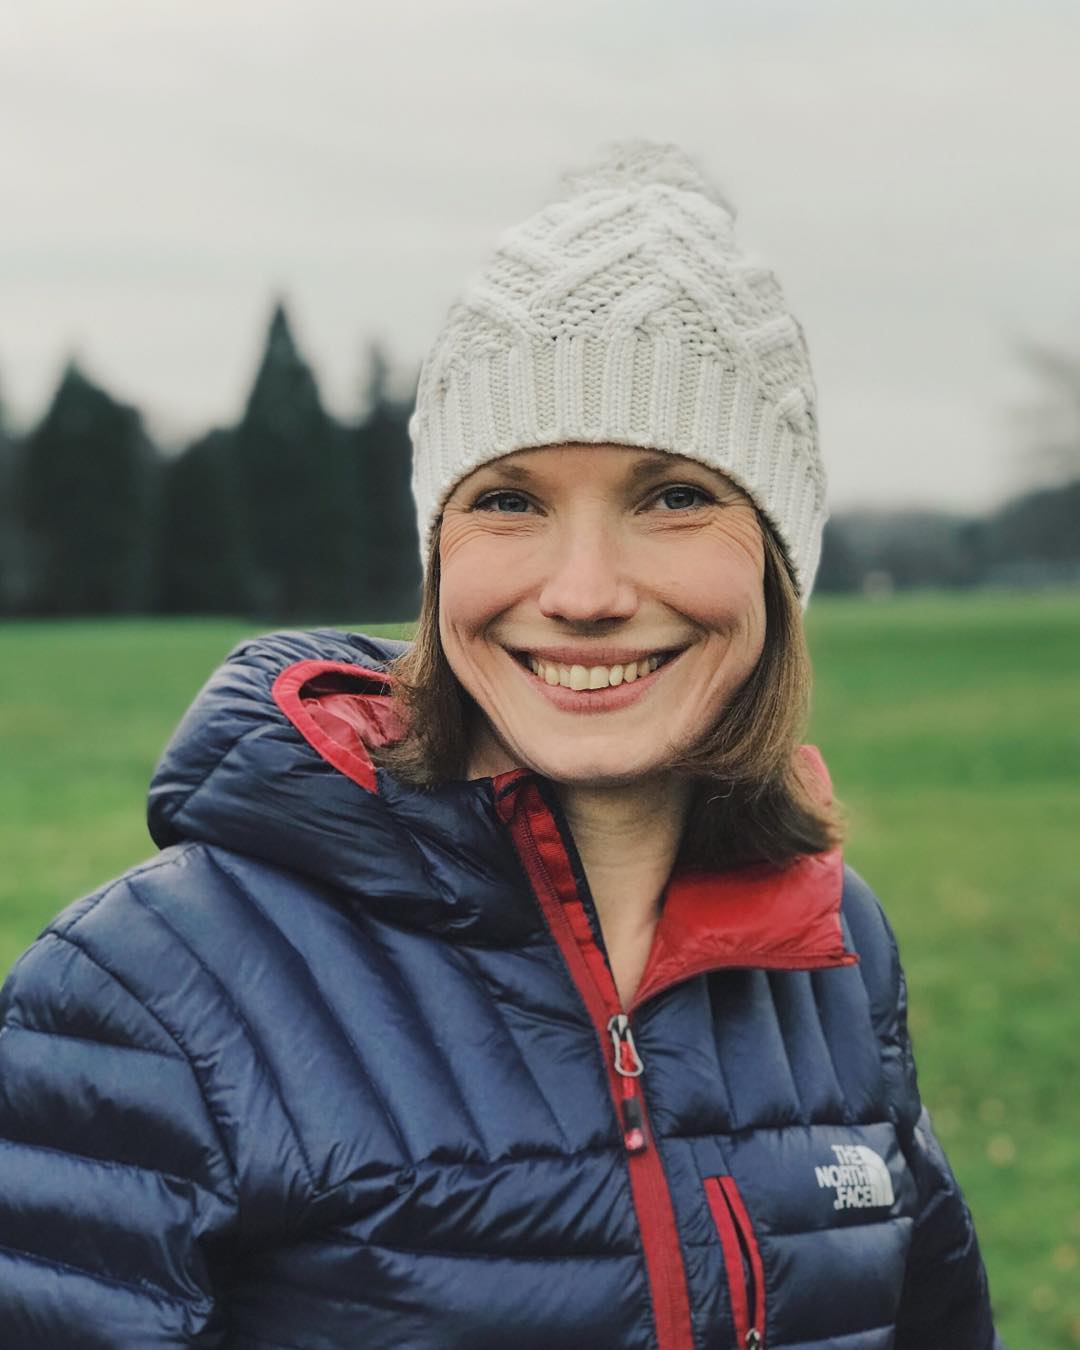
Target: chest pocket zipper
x=742, y=1261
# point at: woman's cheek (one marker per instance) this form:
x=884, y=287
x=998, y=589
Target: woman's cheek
x=485, y=573
x=720, y=587
x=467, y=565
x=461, y=598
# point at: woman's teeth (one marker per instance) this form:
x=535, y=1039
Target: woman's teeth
x=592, y=677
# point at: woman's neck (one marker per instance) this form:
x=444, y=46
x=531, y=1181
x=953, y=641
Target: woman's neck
x=627, y=837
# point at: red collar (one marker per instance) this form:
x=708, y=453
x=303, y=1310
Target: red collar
x=772, y=918
x=762, y=917
x=759, y=916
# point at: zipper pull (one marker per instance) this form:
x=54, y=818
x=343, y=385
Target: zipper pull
x=627, y=1060
x=629, y=1067
x=753, y=1339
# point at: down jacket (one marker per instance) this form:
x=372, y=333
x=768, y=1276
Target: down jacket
x=344, y=1066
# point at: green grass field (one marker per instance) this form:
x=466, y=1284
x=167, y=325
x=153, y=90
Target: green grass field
x=951, y=725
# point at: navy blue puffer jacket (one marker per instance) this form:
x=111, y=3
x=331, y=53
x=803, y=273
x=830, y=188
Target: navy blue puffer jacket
x=344, y=1066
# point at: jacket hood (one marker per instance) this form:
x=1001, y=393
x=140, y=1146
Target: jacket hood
x=272, y=760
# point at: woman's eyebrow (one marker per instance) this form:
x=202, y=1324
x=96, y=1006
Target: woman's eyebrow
x=666, y=466
x=654, y=467
x=516, y=473
x=658, y=465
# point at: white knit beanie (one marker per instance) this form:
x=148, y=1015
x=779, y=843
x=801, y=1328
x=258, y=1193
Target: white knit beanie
x=625, y=313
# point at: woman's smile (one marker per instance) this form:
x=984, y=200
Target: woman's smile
x=580, y=682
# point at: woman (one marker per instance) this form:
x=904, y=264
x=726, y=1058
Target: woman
x=510, y=990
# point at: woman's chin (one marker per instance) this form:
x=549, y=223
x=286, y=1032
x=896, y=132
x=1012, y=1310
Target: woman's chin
x=616, y=768
x=575, y=760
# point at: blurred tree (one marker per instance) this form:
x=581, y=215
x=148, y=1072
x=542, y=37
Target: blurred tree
x=839, y=569
x=375, y=389
x=203, y=563
x=925, y=548
x=85, y=494
x=908, y=548
x=1035, y=539
x=1050, y=423
x=293, y=488
x=390, y=585
x=9, y=521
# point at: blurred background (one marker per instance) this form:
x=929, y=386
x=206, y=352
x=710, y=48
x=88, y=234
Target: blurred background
x=228, y=236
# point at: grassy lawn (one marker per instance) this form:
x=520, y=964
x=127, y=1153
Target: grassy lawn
x=951, y=725
x=952, y=729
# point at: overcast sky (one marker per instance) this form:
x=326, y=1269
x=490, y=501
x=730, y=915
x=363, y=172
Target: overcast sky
x=911, y=170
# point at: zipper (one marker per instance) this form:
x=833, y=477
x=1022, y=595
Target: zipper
x=547, y=866
x=629, y=1067
x=742, y=1261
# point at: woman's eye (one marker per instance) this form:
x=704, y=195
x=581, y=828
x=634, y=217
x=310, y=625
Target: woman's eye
x=503, y=502
x=682, y=496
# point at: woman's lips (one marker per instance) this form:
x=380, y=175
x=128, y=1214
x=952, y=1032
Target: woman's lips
x=610, y=699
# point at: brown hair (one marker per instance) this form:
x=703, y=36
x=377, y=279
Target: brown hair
x=756, y=798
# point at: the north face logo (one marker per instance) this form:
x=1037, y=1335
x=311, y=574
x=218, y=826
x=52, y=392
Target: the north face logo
x=859, y=1177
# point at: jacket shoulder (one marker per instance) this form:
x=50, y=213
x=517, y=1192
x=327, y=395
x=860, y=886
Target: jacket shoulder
x=87, y=970
x=869, y=933
x=192, y=898
x=183, y=959
x=141, y=957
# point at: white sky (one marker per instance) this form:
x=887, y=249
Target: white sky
x=912, y=170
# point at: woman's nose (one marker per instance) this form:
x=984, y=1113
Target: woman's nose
x=586, y=579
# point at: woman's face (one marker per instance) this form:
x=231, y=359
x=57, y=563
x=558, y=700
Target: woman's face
x=601, y=604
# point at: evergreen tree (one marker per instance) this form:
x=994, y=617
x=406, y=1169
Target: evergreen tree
x=390, y=590
x=10, y=579
x=203, y=562
x=1039, y=529
x=85, y=491
x=839, y=569
x=294, y=488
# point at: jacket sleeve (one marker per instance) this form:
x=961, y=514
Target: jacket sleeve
x=945, y=1303
x=117, y=1201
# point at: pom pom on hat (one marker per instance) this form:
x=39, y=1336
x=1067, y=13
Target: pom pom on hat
x=637, y=164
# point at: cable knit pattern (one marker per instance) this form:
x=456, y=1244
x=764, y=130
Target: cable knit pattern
x=624, y=312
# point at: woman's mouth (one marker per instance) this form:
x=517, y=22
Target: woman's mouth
x=590, y=686
x=581, y=677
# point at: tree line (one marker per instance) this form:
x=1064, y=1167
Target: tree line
x=1033, y=539
x=294, y=515
x=289, y=515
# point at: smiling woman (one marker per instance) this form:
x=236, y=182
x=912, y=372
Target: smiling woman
x=509, y=988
